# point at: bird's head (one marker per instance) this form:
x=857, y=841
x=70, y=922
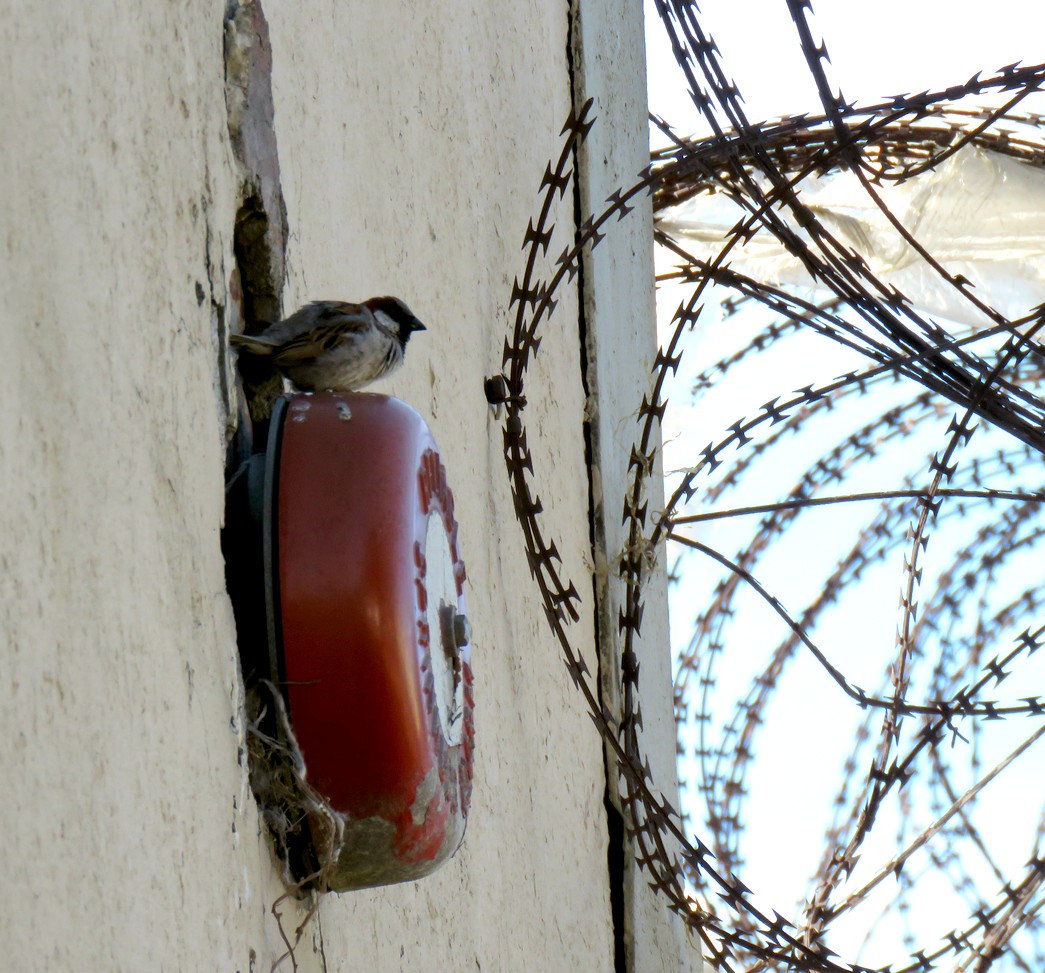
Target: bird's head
x=399, y=316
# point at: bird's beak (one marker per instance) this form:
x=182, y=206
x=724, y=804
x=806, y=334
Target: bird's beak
x=416, y=325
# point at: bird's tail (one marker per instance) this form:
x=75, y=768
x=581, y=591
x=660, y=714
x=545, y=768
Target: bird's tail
x=251, y=343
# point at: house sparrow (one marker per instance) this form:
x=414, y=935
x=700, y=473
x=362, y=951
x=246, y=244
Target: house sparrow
x=335, y=345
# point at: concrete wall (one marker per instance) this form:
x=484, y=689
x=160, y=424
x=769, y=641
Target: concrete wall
x=411, y=143
x=619, y=299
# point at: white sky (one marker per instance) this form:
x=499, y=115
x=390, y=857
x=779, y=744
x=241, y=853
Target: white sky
x=877, y=50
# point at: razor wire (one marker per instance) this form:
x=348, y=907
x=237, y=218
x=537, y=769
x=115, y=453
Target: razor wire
x=915, y=378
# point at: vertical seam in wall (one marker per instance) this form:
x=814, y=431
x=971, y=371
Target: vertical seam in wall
x=615, y=850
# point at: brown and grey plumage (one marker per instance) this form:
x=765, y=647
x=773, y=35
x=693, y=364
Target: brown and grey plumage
x=336, y=345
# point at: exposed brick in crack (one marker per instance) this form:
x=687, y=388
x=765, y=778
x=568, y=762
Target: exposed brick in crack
x=260, y=233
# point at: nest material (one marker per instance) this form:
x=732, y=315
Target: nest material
x=308, y=834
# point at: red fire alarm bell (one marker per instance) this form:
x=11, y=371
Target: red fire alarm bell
x=365, y=586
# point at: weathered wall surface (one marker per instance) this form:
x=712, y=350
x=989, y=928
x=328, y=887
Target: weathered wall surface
x=411, y=144
x=123, y=799
x=618, y=294
x=413, y=170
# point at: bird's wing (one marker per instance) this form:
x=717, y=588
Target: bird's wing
x=332, y=323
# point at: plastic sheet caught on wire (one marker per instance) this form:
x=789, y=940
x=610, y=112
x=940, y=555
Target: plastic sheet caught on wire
x=979, y=213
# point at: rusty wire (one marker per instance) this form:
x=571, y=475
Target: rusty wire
x=915, y=383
